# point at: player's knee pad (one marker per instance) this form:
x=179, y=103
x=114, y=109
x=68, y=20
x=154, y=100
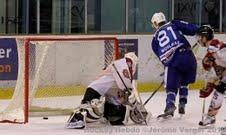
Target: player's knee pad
x=115, y=114
x=221, y=87
x=94, y=110
x=215, y=103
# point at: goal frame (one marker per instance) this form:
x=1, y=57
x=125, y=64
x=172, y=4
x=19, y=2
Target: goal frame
x=27, y=55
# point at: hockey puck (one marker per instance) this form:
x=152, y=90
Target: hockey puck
x=45, y=118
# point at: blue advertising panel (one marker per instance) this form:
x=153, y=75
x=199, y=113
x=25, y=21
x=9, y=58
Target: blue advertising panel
x=128, y=45
x=8, y=59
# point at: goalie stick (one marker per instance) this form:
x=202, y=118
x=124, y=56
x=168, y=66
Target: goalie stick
x=144, y=120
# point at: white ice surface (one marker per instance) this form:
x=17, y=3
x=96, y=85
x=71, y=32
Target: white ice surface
x=188, y=125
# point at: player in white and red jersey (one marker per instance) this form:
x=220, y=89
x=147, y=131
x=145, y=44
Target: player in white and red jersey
x=215, y=58
x=110, y=96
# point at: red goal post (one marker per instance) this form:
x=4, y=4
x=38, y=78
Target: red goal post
x=27, y=43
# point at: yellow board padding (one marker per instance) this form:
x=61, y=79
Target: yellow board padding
x=6, y=93
x=50, y=91
x=59, y=91
x=150, y=87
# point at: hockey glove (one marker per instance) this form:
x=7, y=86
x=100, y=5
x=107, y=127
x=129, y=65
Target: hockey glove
x=205, y=92
x=138, y=114
x=124, y=95
x=208, y=61
x=213, y=49
x=128, y=97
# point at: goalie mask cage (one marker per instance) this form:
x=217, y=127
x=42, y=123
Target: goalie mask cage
x=53, y=72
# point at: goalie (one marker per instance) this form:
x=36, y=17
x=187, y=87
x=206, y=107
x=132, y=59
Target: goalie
x=215, y=58
x=111, y=97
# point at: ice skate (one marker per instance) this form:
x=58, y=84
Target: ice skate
x=181, y=109
x=209, y=120
x=76, y=121
x=169, y=112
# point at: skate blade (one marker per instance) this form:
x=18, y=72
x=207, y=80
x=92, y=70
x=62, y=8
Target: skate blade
x=208, y=126
x=164, y=118
x=223, y=132
x=73, y=125
x=181, y=116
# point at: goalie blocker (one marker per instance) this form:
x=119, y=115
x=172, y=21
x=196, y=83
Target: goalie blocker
x=108, y=98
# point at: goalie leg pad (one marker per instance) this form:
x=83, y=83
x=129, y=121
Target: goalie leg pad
x=92, y=111
x=216, y=103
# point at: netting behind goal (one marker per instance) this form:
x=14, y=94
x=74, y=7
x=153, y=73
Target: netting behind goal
x=53, y=72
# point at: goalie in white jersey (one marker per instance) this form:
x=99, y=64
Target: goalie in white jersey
x=215, y=58
x=111, y=97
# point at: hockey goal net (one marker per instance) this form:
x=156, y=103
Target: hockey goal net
x=53, y=73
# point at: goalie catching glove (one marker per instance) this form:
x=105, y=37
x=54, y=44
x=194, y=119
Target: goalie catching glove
x=134, y=110
x=139, y=114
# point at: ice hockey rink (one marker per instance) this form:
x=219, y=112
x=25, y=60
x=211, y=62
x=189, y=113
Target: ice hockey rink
x=187, y=125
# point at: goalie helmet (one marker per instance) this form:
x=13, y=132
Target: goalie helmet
x=205, y=31
x=157, y=18
x=133, y=57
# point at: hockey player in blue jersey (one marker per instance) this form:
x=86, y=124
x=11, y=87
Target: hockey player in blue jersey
x=174, y=51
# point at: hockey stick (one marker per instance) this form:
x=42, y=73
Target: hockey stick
x=204, y=99
x=203, y=108
x=154, y=93
x=193, y=47
x=127, y=89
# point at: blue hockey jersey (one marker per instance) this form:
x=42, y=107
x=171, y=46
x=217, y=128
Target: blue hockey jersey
x=169, y=37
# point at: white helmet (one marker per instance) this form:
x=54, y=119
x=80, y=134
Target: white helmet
x=133, y=57
x=158, y=18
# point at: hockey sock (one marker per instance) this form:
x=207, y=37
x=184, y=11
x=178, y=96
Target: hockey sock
x=170, y=99
x=216, y=103
x=183, y=93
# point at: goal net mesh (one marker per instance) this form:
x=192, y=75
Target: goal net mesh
x=55, y=72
